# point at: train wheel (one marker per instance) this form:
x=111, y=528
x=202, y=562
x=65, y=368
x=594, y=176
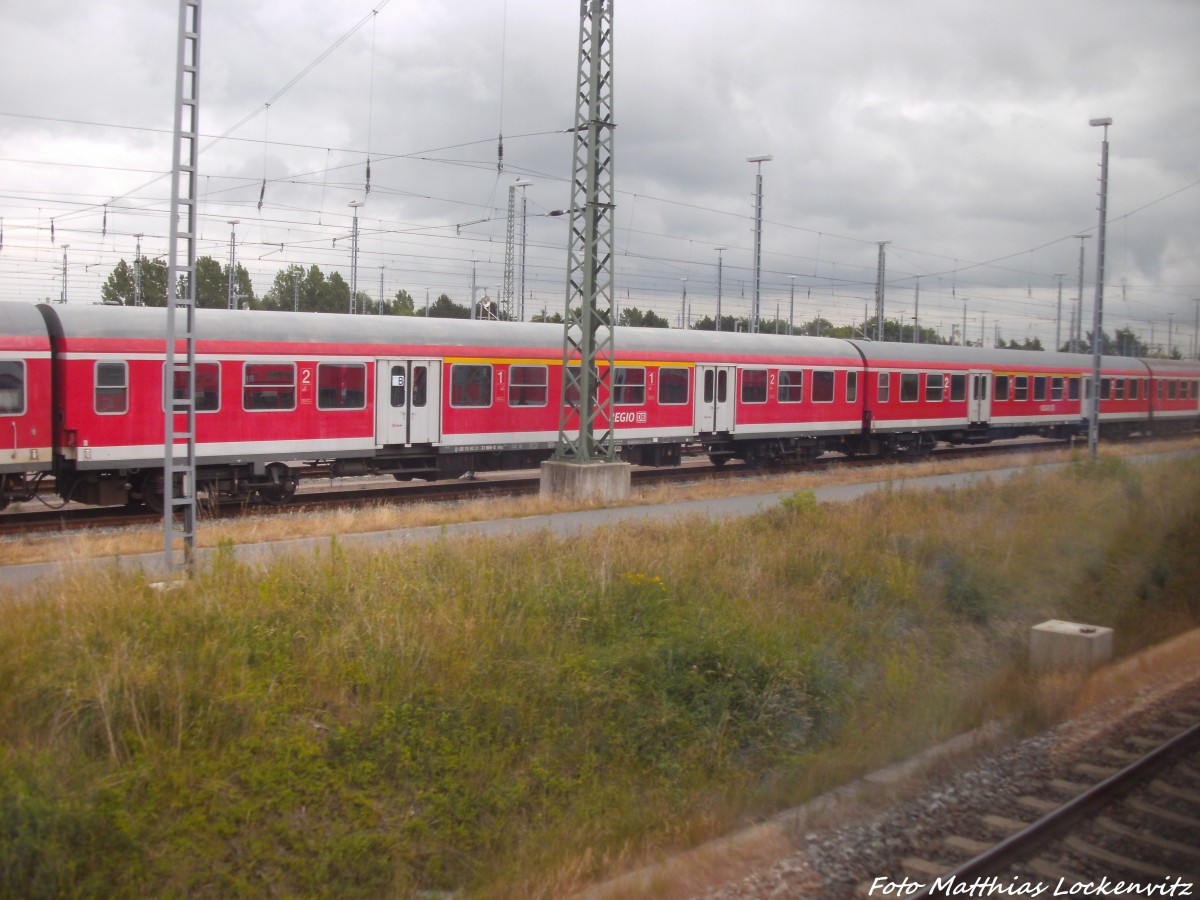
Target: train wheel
x=151, y=490
x=282, y=487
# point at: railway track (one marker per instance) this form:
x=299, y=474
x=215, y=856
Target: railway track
x=316, y=495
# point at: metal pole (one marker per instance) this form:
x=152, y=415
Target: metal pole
x=63, y=299
x=1196, y=332
x=792, y=307
x=232, y=262
x=137, y=272
x=917, y=312
x=720, y=279
x=354, y=258
x=1098, y=310
x=879, y=270
x=1058, y=314
x=758, y=161
x=1077, y=344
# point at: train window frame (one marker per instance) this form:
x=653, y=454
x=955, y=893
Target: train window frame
x=1000, y=385
x=851, y=387
x=629, y=386
x=1134, y=390
x=13, y=399
x=1172, y=389
x=883, y=387
x=791, y=386
x=910, y=387
x=525, y=393
x=207, y=395
x=1119, y=389
x=341, y=394
x=110, y=390
x=1020, y=388
x=1105, y=388
x=265, y=388
x=671, y=390
x=958, y=388
x=1073, y=387
x=1195, y=390
x=1039, y=388
x=754, y=386
x=1162, y=389
x=823, y=388
x=935, y=387
x=1056, y=388
x=464, y=376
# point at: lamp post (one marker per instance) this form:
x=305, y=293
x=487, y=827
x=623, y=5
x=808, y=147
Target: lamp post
x=792, y=307
x=64, y=274
x=1058, y=315
x=1098, y=310
x=719, y=280
x=758, y=161
x=355, y=204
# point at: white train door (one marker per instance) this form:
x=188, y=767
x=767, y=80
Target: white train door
x=407, y=401
x=714, y=398
x=981, y=397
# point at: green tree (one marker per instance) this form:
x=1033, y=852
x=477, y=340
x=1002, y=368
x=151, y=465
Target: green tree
x=120, y=285
x=445, y=308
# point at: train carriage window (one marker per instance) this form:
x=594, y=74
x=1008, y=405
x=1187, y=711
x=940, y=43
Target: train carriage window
x=709, y=381
x=1072, y=388
x=910, y=387
x=754, y=386
x=341, y=386
x=958, y=388
x=1039, y=387
x=674, y=385
x=470, y=385
x=791, y=385
x=112, y=388
x=269, y=386
x=1194, y=395
x=527, y=385
x=1021, y=387
x=1133, y=388
x=208, y=386
x=12, y=387
x=1105, y=388
x=1056, y=388
x=851, y=387
x=722, y=386
x=1171, y=389
x=1001, y=387
x=1119, y=389
x=630, y=386
x=1161, y=389
x=823, y=381
x=934, y=387
x=883, y=387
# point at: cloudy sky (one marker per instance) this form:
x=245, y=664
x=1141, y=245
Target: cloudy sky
x=956, y=130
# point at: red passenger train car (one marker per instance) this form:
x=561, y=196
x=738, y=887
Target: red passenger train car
x=82, y=394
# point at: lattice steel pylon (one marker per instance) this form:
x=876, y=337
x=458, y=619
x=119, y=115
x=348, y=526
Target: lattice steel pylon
x=586, y=421
x=179, y=445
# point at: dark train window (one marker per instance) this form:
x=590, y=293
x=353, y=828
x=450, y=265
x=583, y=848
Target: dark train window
x=934, y=387
x=958, y=387
x=470, y=385
x=399, y=390
x=527, y=385
x=823, y=381
x=708, y=386
x=112, y=388
x=1072, y=388
x=630, y=386
x=1161, y=389
x=341, y=386
x=1171, y=389
x=754, y=386
x=910, y=387
x=1039, y=387
x=1133, y=388
x=791, y=385
x=883, y=387
x=269, y=386
x=1001, y=389
x=851, y=387
x=1105, y=388
x=1056, y=388
x=12, y=387
x=1021, y=387
x=1119, y=389
x=208, y=386
x=674, y=383
x=1194, y=395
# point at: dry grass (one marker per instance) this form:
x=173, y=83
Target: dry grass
x=106, y=543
